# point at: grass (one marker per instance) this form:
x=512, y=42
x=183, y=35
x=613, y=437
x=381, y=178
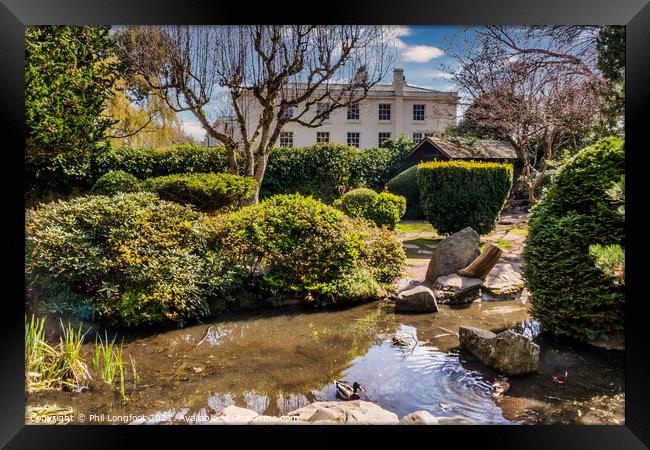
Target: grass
x=519, y=231
x=63, y=365
x=423, y=242
x=54, y=367
x=414, y=227
x=48, y=414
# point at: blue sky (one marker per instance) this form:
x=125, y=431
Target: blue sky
x=422, y=58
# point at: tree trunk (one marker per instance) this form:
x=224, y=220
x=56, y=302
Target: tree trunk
x=481, y=266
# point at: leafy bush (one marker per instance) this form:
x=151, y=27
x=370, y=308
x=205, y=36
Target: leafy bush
x=376, y=166
x=571, y=295
x=67, y=173
x=206, y=191
x=357, y=202
x=383, y=209
x=115, y=182
x=387, y=209
x=131, y=259
x=298, y=246
x=459, y=194
x=406, y=184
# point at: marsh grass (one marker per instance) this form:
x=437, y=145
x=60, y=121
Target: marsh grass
x=108, y=362
x=54, y=366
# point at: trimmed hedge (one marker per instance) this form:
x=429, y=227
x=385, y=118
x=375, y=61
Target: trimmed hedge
x=67, y=173
x=383, y=209
x=206, y=191
x=129, y=259
x=459, y=194
x=406, y=184
x=571, y=295
x=299, y=247
x=115, y=182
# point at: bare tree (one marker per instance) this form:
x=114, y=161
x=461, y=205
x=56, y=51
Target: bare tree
x=535, y=87
x=265, y=71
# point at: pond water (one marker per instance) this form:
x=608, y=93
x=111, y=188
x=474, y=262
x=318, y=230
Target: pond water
x=277, y=360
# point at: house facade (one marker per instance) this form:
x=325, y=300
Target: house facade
x=388, y=111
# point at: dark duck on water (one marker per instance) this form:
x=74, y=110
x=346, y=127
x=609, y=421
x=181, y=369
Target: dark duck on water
x=344, y=391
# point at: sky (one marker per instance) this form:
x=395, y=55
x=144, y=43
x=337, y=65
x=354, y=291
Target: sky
x=422, y=58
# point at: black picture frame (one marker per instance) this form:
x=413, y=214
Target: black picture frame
x=635, y=14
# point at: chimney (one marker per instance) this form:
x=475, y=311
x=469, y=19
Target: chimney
x=398, y=81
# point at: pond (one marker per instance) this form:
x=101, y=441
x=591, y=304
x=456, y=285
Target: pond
x=276, y=360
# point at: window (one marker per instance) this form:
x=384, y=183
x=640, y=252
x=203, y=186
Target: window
x=382, y=137
x=384, y=111
x=322, y=136
x=354, y=139
x=418, y=112
x=286, y=139
x=417, y=137
x=287, y=112
x=353, y=112
x=322, y=108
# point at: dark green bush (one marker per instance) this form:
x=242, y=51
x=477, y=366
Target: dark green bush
x=115, y=182
x=376, y=166
x=406, y=184
x=459, y=194
x=383, y=209
x=571, y=295
x=132, y=258
x=300, y=247
x=66, y=173
x=206, y=191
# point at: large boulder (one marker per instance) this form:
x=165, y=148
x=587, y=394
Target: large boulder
x=426, y=418
x=503, y=283
x=509, y=352
x=454, y=253
x=418, y=299
x=457, y=289
x=355, y=411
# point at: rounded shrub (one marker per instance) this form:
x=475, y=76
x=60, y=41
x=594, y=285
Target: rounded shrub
x=387, y=210
x=129, y=259
x=406, y=184
x=571, y=295
x=459, y=194
x=357, y=202
x=300, y=247
x=115, y=182
x=206, y=191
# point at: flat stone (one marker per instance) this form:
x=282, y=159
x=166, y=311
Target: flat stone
x=503, y=283
x=419, y=418
x=355, y=411
x=233, y=415
x=454, y=253
x=417, y=299
x=457, y=289
x=509, y=352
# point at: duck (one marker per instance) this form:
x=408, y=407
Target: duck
x=559, y=379
x=346, y=392
x=500, y=387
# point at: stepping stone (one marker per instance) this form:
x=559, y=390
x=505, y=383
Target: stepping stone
x=457, y=289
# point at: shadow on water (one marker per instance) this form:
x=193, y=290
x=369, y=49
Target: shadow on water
x=276, y=360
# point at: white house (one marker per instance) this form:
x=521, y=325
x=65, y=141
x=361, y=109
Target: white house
x=388, y=111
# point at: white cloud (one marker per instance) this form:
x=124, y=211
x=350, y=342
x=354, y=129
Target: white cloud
x=421, y=53
x=439, y=74
x=193, y=129
x=399, y=31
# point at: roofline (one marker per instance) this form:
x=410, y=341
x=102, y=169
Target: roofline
x=428, y=138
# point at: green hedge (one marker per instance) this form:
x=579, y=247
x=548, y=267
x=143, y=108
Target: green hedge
x=115, y=182
x=571, y=295
x=459, y=194
x=383, y=209
x=65, y=174
x=129, y=259
x=206, y=191
x=326, y=171
x=406, y=184
x=299, y=247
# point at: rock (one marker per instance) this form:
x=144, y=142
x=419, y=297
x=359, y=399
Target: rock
x=324, y=415
x=266, y=420
x=503, y=283
x=455, y=420
x=404, y=284
x=418, y=299
x=419, y=418
x=233, y=415
x=454, y=253
x=355, y=411
x=509, y=352
x=457, y=289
